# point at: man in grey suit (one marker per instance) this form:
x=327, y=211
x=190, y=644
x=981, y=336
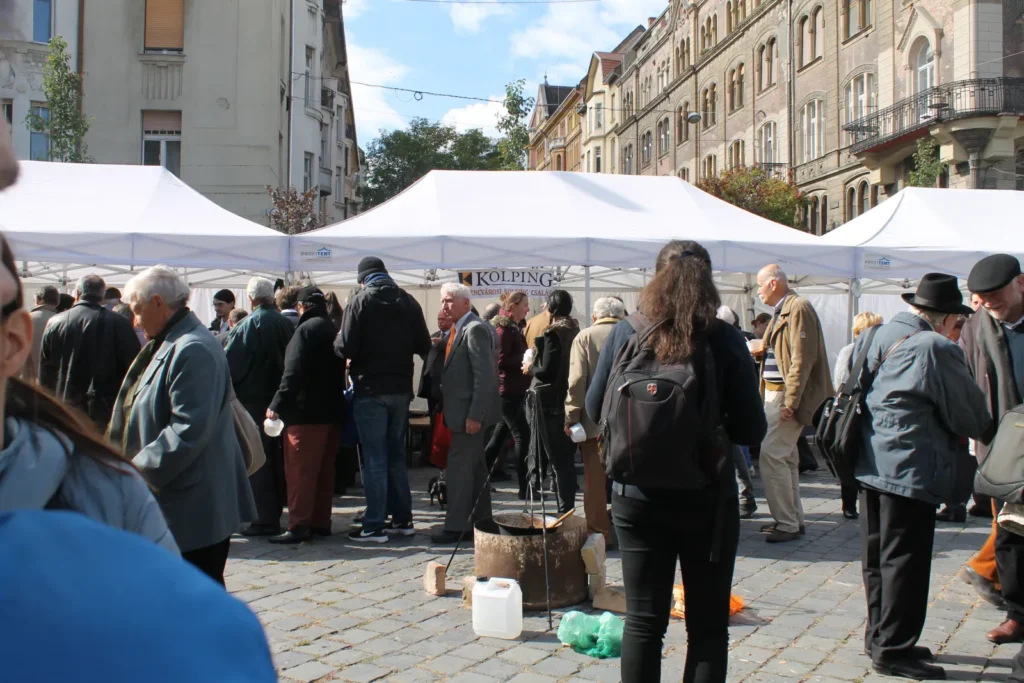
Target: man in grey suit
x=469, y=389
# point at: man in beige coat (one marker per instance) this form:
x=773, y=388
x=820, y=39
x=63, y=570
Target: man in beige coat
x=795, y=379
x=47, y=299
x=586, y=349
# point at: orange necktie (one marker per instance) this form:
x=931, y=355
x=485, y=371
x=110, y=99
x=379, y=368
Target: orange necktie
x=448, y=348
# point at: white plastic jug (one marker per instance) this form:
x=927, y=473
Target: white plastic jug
x=497, y=608
x=273, y=428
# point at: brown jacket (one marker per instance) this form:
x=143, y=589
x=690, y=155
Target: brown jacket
x=535, y=327
x=586, y=349
x=799, y=348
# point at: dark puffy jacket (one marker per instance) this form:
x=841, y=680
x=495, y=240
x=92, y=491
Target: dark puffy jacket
x=312, y=386
x=255, y=350
x=382, y=330
x=511, y=349
x=550, y=369
x=86, y=352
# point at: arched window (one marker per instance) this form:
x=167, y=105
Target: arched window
x=732, y=91
x=803, y=42
x=824, y=214
x=728, y=17
x=849, y=11
x=666, y=133
x=770, y=62
x=710, y=165
x=818, y=38
x=685, y=135
x=851, y=204
x=812, y=216
x=714, y=104
x=739, y=86
x=714, y=30
x=766, y=143
x=742, y=5
x=703, y=38
x=759, y=69
x=680, y=122
x=813, y=121
x=659, y=137
x=686, y=54
x=924, y=66
x=865, y=198
x=737, y=154
x=705, y=111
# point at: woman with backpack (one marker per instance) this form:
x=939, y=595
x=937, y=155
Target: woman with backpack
x=52, y=457
x=550, y=370
x=675, y=496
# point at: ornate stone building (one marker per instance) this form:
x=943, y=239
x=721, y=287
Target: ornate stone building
x=833, y=93
x=555, y=129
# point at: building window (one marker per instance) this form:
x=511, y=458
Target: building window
x=766, y=143
x=307, y=172
x=851, y=204
x=737, y=154
x=338, y=180
x=924, y=67
x=684, y=174
x=39, y=143
x=666, y=133
x=865, y=13
x=812, y=216
x=766, y=65
x=165, y=25
x=339, y=125
x=597, y=160
x=599, y=115
x=648, y=148
x=861, y=100
x=8, y=106
x=558, y=162
x=161, y=140
x=710, y=106
x=803, y=42
x=710, y=166
x=813, y=130
x=611, y=113
x=736, y=88
x=728, y=18
x=627, y=159
x=42, y=20
x=714, y=30
x=310, y=56
x=824, y=214
x=611, y=169
x=856, y=16
x=865, y=197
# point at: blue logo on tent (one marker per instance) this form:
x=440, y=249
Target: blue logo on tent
x=323, y=252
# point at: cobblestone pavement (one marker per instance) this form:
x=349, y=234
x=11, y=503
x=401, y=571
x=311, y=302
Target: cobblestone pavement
x=340, y=611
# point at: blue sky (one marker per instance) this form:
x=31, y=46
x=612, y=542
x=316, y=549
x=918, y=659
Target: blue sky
x=472, y=49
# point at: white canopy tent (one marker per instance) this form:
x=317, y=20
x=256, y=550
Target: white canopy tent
x=62, y=219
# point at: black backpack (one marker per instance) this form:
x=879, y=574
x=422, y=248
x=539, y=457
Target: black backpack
x=661, y=422
x=838, y=419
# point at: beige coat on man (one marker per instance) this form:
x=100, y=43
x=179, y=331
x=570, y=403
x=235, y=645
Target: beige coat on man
x=40, y=316
x=586, y=349
x=799, y=348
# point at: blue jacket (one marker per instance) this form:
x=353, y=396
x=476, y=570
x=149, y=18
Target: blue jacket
x=255, y=351
x=922, y=401
x=182, y=435
x=36, y=462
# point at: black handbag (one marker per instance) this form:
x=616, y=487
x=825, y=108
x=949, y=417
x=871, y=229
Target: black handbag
x=1001, y=473
x=838, y=419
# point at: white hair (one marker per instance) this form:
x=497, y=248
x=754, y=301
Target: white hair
x=260, y=289
x=158, y=280
x=726, y=314
x=609, y=307
x=933, y=318
x=773, y=272
x=457, y=290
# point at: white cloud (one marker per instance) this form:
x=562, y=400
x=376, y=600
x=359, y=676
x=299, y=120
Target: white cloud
x=482, y=115
x=371, y=108
x=470, y=18
x=567, y=73
x=353, y=8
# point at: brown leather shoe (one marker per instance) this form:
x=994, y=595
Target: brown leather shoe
x=1009, y=631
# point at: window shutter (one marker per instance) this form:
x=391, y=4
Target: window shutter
x=165, y=24
x=161, y=121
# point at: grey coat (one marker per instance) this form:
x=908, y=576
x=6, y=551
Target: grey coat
x=469, y=383
x=922, y=402
x=181, y=431
x=37, y=463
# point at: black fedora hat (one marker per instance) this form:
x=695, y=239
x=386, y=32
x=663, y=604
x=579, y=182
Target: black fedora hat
x=940, y=293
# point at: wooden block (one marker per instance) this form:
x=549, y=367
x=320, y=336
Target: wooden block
x=434, y=579
x=467, y=590
x=596, y=582
x=594, y=553
x=610, y=600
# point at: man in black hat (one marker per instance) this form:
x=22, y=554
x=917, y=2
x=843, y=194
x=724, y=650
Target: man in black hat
x=994, y=343
x=382, y=330
x=223, y=303
x=921, y=401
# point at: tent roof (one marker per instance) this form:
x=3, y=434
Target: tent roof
x=921, y=230
x=129, y=215
x=489, y=219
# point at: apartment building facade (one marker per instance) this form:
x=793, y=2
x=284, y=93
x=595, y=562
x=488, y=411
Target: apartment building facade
x=555, y=127
x=231, y=96
x=834, y=94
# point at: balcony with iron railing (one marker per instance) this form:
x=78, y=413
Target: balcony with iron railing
x=773, y=169
x=556, y=143
x=943, y=103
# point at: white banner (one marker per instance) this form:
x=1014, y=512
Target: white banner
x=491, y=283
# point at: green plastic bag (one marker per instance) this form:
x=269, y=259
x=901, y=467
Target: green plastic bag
x=599, y=637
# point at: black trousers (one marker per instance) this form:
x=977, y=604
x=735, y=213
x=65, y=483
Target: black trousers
x=210, y=560
x=513, y=421
x=561, y=454
x=654, y=535
x=849, y=495
x=896, y=537
x=1010, y=564
x=268, y=483
x=966, y=466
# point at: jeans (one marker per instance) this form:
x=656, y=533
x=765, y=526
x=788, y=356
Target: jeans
x=653, y=535
x=383, y=422
x=513, y=421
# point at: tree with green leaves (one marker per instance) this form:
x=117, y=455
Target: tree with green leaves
x=398, y=159
x=65, y=124
x=927, y=166
x=512, y=124
x=760, y=193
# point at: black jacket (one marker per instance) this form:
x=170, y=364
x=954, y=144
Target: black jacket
x=312, y=390
x=382, y=330
x=550, y=368
x=433, y=368
x=86, y=352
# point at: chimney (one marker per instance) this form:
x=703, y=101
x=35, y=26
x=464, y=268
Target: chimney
x=650, y=21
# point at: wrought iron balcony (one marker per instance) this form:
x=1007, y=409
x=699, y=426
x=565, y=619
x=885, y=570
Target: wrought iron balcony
x=949, y=102
x=774, y=169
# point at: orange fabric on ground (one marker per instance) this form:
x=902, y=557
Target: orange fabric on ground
x=985, y=561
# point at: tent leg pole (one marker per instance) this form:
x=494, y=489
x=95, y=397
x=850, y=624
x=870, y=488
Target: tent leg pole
x=851, y=308
x=586, y=293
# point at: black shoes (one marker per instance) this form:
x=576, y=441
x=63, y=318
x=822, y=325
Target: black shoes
x=769, y=528
x=851, y=514
x=364, y=536
x=916, y=652
x=406, y=529
x=956, y=514
x=260, y=530
x=747, y=508
x=297, y=535
x=985, y=589
x=780, y=536
x=910, y=668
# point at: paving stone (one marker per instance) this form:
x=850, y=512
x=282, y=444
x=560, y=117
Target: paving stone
x=524, y=655
x=469, y=677
x=290, y=659
x=846, y=672
x=532, y=678
x=384, y=645
x=601, y=673
x=412, y=676
x=363, y=673
x=497, y=668
x=310, y=671
x=447, y=664
x=346, y=657
x=553, y=666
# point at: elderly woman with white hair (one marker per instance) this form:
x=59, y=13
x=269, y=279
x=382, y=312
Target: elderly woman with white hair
x=173, y=419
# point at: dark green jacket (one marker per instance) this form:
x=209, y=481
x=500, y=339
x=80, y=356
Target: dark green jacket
x=255, y=352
